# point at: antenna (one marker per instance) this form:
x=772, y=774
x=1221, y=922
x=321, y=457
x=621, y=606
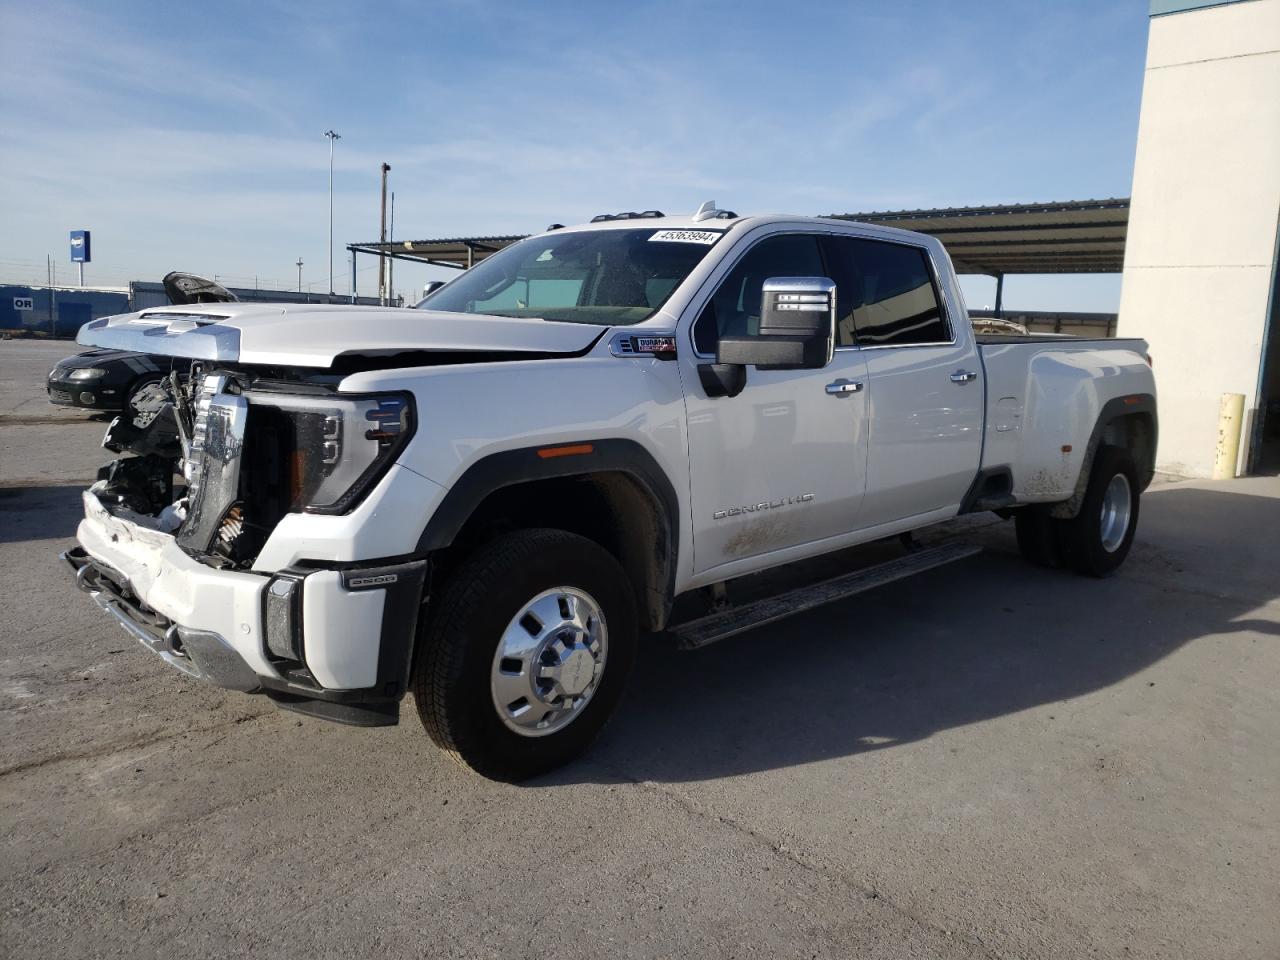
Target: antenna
x=705, y=212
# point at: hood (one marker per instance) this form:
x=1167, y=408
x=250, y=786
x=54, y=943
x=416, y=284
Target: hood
x=83, y=359
x=102, y=356
x=315, y=335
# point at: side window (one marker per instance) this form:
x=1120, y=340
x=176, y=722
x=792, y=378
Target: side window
x=734, y=309
x=893, y=298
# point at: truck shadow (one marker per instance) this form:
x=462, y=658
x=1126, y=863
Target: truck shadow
x=34, y=513
x=980, y=639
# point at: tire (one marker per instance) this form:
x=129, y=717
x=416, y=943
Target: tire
x=459, y=678
x=1097, y=540
x=1038, y=538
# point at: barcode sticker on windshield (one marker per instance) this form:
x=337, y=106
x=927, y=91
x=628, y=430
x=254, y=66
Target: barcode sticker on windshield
x=707, y=237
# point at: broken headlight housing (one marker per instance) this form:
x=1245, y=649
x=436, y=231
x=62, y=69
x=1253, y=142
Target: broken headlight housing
x=325, y=452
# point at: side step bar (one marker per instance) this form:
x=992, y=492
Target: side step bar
x=694, y=634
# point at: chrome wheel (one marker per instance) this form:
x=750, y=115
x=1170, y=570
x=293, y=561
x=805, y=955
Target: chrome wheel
x=1117, y=508
x=549, y=661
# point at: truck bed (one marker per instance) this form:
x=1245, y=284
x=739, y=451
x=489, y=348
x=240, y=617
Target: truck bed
x=1043, y=391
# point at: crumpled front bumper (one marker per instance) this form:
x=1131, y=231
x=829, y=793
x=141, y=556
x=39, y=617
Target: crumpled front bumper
x=200, y=654
x=352, y=629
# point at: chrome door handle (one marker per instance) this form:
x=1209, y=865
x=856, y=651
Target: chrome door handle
x=843, y=387
x=963, y=376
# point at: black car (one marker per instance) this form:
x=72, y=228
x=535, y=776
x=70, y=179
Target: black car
x=105, y=379
x=112, y=379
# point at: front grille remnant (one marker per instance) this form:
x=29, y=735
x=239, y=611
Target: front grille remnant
x=213, y=467
x=210, y=386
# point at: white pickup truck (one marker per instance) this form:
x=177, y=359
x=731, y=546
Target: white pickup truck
x=489, y=499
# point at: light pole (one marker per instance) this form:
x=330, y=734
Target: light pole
x=382, y=239
x=299, y=274
x=332, y=137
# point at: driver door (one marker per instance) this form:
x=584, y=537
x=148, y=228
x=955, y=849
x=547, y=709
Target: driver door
x=783, y=464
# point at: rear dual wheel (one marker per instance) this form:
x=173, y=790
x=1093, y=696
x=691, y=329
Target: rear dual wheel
x=526, y=653
x=1096, y=541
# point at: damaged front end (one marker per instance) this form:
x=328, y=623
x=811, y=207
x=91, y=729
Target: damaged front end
x=220, y=462
x=173, y=527
x=154, y=435
x=134, y=497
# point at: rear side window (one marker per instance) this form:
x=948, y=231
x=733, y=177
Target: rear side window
x=892, y=297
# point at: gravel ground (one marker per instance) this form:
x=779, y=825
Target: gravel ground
x=989, y=760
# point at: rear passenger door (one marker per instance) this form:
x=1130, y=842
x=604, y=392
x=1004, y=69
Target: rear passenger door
x=924, y=384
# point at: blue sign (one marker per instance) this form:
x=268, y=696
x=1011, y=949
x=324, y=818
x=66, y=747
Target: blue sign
x=80, y=246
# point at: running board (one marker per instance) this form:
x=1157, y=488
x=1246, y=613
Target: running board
x=694, y=634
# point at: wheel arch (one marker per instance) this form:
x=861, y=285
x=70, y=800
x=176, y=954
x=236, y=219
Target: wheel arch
x=1129, y=422
x=612, y=492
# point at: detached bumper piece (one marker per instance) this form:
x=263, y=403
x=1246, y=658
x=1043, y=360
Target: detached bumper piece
x=206, y=656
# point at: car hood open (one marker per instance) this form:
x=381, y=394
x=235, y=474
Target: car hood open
x=317, y=335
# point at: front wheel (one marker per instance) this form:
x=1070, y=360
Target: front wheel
x=526, y=653
x=1096, y=541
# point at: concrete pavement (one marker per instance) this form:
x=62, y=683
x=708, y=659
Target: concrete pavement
x=990, y=760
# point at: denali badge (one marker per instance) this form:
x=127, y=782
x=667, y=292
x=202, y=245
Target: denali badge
x=378, y=581
x=764, y=505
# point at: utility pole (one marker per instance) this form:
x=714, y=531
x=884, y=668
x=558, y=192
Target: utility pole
x=53, y=323
x=382, y=238
x=299, y=274
x=391, y=261
x=332, y=137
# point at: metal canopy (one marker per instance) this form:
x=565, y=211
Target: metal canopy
x=1076, y=236
x=460, y=252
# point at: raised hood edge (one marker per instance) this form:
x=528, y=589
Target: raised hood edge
x=212, y=335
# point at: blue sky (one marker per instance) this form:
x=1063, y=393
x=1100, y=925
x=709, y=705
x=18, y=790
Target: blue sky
x=190, y=136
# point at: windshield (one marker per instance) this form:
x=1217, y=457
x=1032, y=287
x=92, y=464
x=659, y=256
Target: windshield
x=591, y=276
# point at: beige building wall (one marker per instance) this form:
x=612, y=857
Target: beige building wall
x=1201, y=248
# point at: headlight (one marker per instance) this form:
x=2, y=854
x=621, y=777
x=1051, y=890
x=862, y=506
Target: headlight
x=329, y=450
x=86, y=373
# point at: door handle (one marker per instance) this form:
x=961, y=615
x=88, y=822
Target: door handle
x=843, y=387
x=963, y=376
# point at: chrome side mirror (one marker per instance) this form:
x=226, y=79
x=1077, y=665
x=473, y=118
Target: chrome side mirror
x=797, y=327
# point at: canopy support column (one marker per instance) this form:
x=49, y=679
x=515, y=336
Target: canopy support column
x=999, y=295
